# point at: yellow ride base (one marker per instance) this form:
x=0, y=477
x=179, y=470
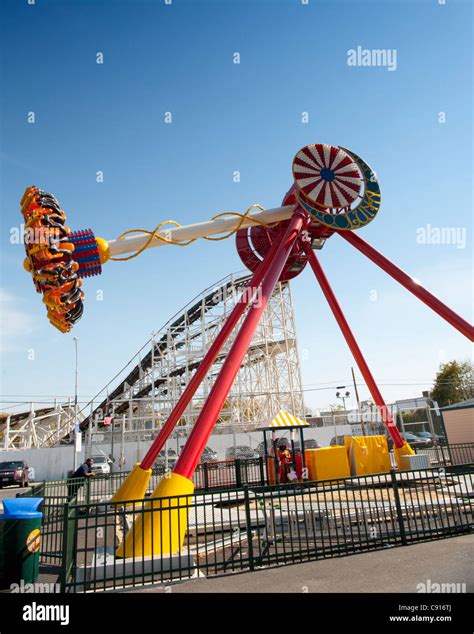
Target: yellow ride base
x=134, y=486
x=161, y=527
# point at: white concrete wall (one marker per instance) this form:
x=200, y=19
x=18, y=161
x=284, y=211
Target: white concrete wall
x=47, y=464
x=54, y=463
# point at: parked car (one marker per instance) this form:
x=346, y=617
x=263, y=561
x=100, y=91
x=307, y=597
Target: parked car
x=426, y=435
x=101, y=465
x=242, y=452
x=172, y=458
x=338, y=441
x=309, y=443
x=415, y=441
x=280, y=441
x=209, y=455
x=14, y=472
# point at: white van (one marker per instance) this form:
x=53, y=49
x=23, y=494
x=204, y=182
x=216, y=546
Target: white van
x=101, y=465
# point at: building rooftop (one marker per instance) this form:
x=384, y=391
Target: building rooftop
x=468, y=403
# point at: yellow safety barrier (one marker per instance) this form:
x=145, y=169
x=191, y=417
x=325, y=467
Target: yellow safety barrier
x=367, y=454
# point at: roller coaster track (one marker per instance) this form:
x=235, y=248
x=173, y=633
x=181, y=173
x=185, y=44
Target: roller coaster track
x=177, y=325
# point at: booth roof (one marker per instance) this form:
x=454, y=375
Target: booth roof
x=286, y=420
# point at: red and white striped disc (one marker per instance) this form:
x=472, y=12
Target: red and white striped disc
x=326, y=176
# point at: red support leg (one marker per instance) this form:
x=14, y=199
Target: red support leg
x=209, y=358
x=202, y=429
x=354, y=347
x=409, y=283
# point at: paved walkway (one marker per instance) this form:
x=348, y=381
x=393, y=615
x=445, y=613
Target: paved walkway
x=392, y=570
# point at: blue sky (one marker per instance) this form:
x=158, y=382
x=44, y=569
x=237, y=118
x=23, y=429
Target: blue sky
x=178, y=58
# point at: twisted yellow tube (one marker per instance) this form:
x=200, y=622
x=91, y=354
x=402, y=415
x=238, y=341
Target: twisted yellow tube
x=155, y=235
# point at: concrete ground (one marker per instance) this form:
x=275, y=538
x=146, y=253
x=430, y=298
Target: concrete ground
x=9, y=492
x=392, y=570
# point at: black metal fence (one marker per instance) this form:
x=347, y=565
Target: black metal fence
x=446, y=455
x=254, y=527
x=57, y=493
x=229, y=474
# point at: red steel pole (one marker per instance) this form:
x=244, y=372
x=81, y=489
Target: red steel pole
x=202, y=429
x=354, y=347
x=409, y=283
x=209, y=358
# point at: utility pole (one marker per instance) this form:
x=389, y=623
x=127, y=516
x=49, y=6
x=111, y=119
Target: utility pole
x=358, y=402
x=76, y=424
x=112, y=429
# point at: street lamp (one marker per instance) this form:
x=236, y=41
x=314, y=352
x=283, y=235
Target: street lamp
x=343, y=397
x=76, y=424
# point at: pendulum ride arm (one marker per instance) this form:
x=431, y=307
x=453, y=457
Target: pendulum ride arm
x=202, y=429
x=409, y=283
x=133, y=243
x=58, y=259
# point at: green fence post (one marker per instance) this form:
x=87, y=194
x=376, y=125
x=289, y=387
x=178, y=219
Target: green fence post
x=248, y=526
x=262, y=471
x=88, y=490
x=63, y=573
x=450, y=456
x=398, y=505
x=238, y=474
x=69, y=538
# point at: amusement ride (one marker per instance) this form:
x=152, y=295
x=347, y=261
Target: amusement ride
x=334, y=192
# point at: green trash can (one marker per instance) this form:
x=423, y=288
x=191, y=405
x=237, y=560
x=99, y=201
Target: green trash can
x=20, y=540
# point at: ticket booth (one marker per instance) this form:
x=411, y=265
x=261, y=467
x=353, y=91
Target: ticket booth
x=288, y=464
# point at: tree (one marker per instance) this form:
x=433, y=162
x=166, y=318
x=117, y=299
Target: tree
x=453, y=383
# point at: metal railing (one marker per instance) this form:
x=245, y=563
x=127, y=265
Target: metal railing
x=230, y=473
x=254, y=527
x=448, y=455
x=208, y=475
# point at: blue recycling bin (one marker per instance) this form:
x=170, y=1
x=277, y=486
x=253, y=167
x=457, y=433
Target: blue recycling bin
x=20, y=540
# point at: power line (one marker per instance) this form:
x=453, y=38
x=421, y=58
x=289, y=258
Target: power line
x=305, y=389
x=137, y=400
